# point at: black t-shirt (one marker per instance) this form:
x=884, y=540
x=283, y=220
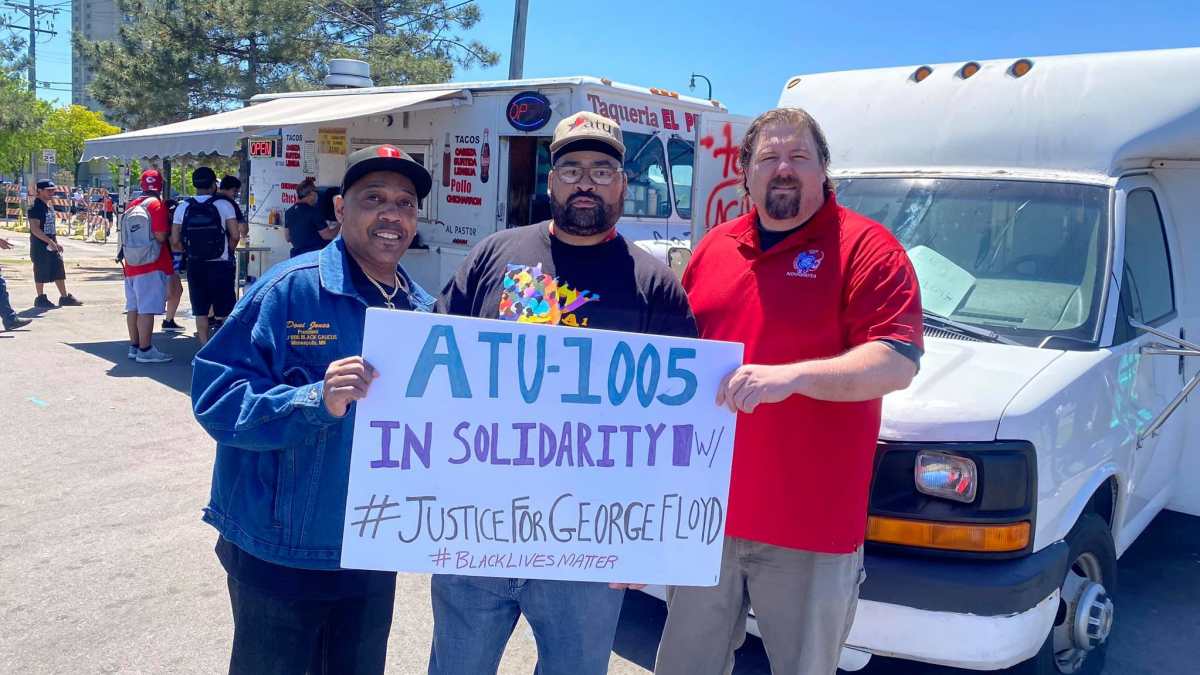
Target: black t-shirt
x=39, y=211
x=767, y=239
x=525, y=274
x=372, y=294
x=304, y=223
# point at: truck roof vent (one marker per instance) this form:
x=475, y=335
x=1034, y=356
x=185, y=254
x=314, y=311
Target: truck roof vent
x=348, y=74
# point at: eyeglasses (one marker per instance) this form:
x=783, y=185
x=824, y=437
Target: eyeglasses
x=600, y=175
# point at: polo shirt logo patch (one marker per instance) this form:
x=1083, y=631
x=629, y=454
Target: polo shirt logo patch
x=531, y=296
x=806, y=264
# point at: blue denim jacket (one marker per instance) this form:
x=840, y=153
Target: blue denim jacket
x=283, y=462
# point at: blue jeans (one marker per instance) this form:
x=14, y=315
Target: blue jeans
x=281, y=635
x=574, y=623
x=6, y=311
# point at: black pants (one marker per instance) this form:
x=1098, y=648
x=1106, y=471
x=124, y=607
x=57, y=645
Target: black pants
x=6, y=310
x=281, y=635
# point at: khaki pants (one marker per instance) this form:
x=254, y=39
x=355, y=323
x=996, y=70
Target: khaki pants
x=804, y=603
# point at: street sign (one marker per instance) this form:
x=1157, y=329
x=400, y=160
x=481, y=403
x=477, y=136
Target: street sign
x=49, y=156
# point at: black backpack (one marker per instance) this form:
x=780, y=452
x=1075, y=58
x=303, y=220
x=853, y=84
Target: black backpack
x=203, y=232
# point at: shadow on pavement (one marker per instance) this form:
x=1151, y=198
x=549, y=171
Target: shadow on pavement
x=176, y=374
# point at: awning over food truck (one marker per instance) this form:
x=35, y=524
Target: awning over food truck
x=220, y=133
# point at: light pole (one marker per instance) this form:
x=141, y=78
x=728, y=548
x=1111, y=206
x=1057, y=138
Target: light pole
x=692, y=85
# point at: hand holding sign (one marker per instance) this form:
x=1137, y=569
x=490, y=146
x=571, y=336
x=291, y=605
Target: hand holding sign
x=750, y=385
x=347, y=381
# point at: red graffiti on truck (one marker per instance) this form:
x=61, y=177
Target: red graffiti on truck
x=720, y=207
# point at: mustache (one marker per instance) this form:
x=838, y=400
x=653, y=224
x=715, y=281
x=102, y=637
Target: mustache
x=380, y=226
x=783, y=182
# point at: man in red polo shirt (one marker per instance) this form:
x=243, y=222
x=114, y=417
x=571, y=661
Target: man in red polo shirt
x=828, y=307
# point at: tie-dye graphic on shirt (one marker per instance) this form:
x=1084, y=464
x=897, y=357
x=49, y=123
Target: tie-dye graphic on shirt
x=530, y=296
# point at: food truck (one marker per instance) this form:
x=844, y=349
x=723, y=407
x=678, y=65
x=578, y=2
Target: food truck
x=1051, y=209
x=486, y=145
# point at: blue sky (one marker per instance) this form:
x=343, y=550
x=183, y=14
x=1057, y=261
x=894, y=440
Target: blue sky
x=749, y=48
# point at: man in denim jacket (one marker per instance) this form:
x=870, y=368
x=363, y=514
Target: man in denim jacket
x=275, y=387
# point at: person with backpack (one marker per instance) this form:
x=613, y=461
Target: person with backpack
x=147, y=262
x=206, y=230
x=175, y=283
x=228, y=190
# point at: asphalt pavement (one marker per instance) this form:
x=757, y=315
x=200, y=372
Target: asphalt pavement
x=105, y=566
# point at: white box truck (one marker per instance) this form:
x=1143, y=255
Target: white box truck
x=1051, y=208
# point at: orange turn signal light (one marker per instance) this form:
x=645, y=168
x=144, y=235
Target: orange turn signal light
x=922, y=73
x=1021, y=67
x=968, y=70
x=949, y=536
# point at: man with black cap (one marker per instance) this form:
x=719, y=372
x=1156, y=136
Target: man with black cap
x=276, y=388
x=206, y=230
x=45, y=251
x=593, y=277
x=306, y=229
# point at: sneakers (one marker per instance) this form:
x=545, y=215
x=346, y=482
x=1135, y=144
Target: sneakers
x=133, y=352
x=153, y=356
x=16, y=323
x=69, y=300
x=43, y=302
x=171, y=326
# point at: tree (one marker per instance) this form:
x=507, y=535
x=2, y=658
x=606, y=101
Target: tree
x=180, y=60
x=21, y=113
x=68, y=127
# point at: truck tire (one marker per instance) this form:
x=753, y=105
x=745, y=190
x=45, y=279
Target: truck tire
x=1079, y=639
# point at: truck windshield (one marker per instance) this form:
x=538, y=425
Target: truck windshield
x=1023, y=259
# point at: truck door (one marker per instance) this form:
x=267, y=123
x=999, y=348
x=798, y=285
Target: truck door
x=717, y=176
x=1150, y=375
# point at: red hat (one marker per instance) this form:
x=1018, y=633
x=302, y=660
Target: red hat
x=151, y=181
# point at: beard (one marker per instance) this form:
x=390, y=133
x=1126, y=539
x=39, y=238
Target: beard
x=783, y=207
x=585, y=222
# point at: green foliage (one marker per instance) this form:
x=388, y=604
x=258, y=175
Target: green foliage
x=21, y=114
x=180, y=60
x=66, y=129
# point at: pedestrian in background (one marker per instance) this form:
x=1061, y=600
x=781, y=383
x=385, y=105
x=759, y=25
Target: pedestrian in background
x=306, y=227
x=842, y=292
x=273, y=412
x=45, y=251
x=175, y=283
x=7, y=314
x=205, y=229
x=228, y=190
x=148, y=266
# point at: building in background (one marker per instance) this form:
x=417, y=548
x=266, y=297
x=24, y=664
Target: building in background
x=96, y=20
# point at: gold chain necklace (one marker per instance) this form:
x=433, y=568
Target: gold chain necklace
x=387, y=299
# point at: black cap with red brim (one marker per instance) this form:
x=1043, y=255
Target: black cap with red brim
x=386, y=158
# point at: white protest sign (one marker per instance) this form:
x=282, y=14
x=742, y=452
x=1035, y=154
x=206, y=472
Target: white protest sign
x=943, y=284
x=497, y=448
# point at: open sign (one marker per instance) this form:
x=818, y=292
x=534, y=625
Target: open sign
x=262, y=148
x=529, y=111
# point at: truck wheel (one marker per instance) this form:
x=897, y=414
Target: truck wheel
x=1078, y=642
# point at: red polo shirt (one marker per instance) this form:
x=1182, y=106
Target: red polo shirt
x=802, y=467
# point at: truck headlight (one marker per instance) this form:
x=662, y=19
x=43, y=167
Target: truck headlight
x=938, y=474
